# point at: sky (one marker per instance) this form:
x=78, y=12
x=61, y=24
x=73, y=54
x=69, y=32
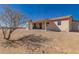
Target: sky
x=44, y=11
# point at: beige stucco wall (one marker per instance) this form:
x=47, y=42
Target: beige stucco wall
x=63, y=27
x=37, y=25
x=43, y=25
x=29, y=25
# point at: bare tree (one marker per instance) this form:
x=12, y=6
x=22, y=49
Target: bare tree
x=10, y=21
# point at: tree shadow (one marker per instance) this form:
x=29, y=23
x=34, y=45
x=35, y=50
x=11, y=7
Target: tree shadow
x=32, y=39
x=32, y=42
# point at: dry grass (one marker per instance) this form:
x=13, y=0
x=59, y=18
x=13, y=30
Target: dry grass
x=54, y=42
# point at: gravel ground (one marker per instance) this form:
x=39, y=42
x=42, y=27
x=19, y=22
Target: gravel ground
x=55, y=42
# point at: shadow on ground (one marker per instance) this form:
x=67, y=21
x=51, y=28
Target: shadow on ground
x=32, y=42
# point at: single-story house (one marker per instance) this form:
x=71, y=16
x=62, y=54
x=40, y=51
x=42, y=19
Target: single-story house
x=64, y=23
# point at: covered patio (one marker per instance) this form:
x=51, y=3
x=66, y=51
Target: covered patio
x=42, y=24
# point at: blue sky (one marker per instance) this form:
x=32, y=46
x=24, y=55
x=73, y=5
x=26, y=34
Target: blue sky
x=42, y=11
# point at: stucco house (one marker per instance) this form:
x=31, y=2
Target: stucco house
x=64, y=23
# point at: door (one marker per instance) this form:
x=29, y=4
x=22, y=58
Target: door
x=34, y=26
x=40, y=25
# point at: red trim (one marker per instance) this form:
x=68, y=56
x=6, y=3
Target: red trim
x=56, y=19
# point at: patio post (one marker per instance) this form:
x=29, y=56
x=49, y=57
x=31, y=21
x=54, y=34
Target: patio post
x=31, y=26
x=45, y=27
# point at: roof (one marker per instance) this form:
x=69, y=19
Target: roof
x=55, y=19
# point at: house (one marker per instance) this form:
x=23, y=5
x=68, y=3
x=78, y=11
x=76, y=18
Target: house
x=64, y=23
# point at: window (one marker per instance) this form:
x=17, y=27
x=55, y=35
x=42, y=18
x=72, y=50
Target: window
x=47, y=23
x=59, y=22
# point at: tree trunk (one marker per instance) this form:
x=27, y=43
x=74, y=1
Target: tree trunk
x=9, y=35
x=8, y=38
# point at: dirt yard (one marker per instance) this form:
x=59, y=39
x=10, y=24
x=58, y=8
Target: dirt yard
x=54, y=42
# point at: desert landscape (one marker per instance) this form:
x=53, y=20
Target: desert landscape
x=20, y=34
x=40, y=41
